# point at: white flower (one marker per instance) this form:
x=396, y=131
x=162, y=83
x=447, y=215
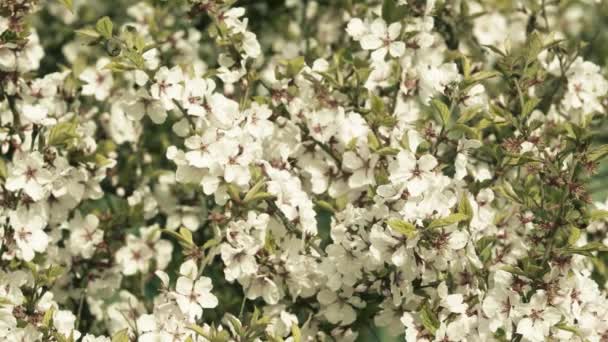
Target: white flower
x=452, y=302
x=84, y=235
x=224, y=111
x=98, y=80
x=28, y=233
x=336, y=310
x=356, y=28
x=538, y=318
x=416, y=174
x=64, y=321
x=382, y=40
x=361, y=165
x=28, y=174
x=139, y=104
x=193, y=296
x=196, y=93
x=167, y=86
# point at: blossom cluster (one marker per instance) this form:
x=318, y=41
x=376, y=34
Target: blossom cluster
x=207, y=170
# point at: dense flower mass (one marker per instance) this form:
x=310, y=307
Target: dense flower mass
x=223, y=170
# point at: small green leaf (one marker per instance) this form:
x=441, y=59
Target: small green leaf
x=186, y=234
x=254, y=190
x=388, y=151
x=507, y=191
x=464, y=207
x=448, y=220
x=587, y=249
x=468, y=114
x=441, y=109
x=529, y=106
x=63, y=133
x=597, y=215
x=514, y=270
x=121, y=336
x=48, y=317
x=405, y=228
x=104, y=27
x=3, y=169
x=68, y=4
x=377, y=104
x=429, y=319
x=373, y=142
x=295, y=333
x=494, y=49
x=199, y=330
x=392, y=11
x=325, y=206
x=482, y=75
x=575, y=234
x=598, y=153
x=88, y=32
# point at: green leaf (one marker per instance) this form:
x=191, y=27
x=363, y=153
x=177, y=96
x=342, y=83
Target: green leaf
x=468, y=114
x=186, y=234
x=3, y=169
x=68, y=4
x=587, y=249
x=104, y=27
x=293, y=66
x=261, y=196
x=507, y=191
x=482, y=75
x=529, y=106
x=494, y=49
x=405, y=228
x=180, y=238
x=388, y=151
x=377, y=104
x=441, y=109
x=199, y=330
x=392, y=11
x=598, y=153
x=429, y=319
x=448, y=220
x=575, y=234
x=372, y=141
x=468, y=131
x=254, y=190
x=6, y=301
x=121, y=336
x=48, y=317
x=234, y=193
x=325, y=206
x=535, y=46
x=88, y=32
x=464, y=207
x=514, y=270
x=597, y=215
x=63, y=133
x=295, y=333
x=484, y=247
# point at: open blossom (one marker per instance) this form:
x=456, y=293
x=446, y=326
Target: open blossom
x=416, y=174
x=29, y=233
x=167, y=86
x=193, y=294
x=98, y=80
x=378, y=37
x=85, y=235
x=29, y=174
